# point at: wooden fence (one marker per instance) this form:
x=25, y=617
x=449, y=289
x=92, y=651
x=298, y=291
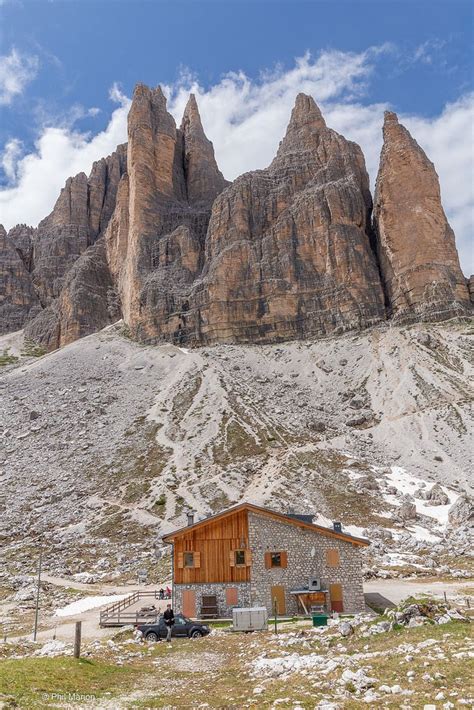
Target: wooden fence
x=115, y=614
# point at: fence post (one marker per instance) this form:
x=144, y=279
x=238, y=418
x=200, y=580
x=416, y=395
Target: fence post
x=77, y=640
x=35, y=630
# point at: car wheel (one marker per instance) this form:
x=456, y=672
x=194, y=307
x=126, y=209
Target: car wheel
x=152, y=637
x=196, y=634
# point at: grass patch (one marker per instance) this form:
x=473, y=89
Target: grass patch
x=32, y=349
x=30, y=680
x=6, y=358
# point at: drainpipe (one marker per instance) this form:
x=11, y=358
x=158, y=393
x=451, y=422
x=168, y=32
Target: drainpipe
x=172, y=576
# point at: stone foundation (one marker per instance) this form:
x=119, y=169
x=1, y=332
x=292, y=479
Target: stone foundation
x=219, y=590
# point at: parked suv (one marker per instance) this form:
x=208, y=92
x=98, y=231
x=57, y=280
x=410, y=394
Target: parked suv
x=182, y=627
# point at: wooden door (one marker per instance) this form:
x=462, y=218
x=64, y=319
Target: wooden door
x=278, y=593
x=335, y=591
x=189, y=603
x=231, y=596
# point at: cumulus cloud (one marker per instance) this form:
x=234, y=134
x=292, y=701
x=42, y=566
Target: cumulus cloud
x=16, y=71
x=59, y=153
x=246, y=119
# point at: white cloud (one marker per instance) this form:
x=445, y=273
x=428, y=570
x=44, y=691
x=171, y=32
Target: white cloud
x=117, y=96
x=59, y=153
x=16, y=71
x=10, y=158
x=247, y=118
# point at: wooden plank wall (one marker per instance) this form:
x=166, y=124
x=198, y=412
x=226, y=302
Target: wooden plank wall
x=214, y=541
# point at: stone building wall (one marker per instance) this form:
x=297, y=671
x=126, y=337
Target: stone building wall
x=218, y=589
x=267, y=534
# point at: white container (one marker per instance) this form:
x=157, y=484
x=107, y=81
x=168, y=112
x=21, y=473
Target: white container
x=250, y=619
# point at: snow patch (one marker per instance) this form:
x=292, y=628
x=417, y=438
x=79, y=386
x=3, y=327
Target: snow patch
x=81, y=605
x=407, y=484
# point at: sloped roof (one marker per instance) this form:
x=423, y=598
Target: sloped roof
x=250, y=507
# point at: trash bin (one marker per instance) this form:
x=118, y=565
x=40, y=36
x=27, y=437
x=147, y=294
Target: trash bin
x=320, y=619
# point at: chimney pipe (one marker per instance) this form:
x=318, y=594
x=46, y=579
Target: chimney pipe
x=337, y=526
x=190, y=515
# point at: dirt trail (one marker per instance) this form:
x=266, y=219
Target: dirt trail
x=398, y=589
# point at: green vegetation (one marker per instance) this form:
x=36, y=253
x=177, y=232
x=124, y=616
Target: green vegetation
x=218, y=670
x=32, y=349
x=29, y=681
x=7, y=359
x=158, y=507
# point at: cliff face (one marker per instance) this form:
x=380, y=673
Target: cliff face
x=157, y=235
x=155, y=241
x=18, y=300
x=52, y=254
x=416, y=246
x=287, y=249
x=80, y=215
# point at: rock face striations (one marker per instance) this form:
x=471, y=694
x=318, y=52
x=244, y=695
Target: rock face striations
x=287, y=250
x=416, y=247
x=18, y=300
x=51, y=258
x=156, y=235
x=155, y=241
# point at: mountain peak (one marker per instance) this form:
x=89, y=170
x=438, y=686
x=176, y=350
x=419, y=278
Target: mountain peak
x=305, y=112
x=191, y=121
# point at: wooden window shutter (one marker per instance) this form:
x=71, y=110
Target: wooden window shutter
x=248, y=558
x=197, y=559
x=332, y=557
x=268, y=560
x=180, y=558
x=284, y=559
x=232, y=558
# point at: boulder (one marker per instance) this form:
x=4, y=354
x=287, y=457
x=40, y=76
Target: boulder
x=436, y=496
x=461, y=513
x=407, y=511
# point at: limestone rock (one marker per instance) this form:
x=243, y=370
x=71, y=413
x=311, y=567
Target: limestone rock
x=203, y=178
x=155, y=241
x=22, y=238
x=461, y=513
x=288, y=248
x=52, y=252
x=87, y=303
x=157, y=234
x=417, y=253
x=470, y=287
x=437, y=496
x=407, y=511
x=44, y=329
x=18, y=300
x=80, y=215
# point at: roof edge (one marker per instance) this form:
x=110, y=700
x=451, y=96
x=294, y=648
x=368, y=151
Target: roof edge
x=347, y=537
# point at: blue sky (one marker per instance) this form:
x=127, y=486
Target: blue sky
x=69, y=67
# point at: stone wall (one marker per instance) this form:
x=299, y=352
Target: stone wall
x=218, y=589
x=267, y=534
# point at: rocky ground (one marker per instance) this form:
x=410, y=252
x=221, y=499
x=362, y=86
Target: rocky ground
x=107, y=440
x=406, y=658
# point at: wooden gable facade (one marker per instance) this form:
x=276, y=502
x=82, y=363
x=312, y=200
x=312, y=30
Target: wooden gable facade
x=214, y=545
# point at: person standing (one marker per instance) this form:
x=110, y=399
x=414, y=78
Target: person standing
x=168, y=616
